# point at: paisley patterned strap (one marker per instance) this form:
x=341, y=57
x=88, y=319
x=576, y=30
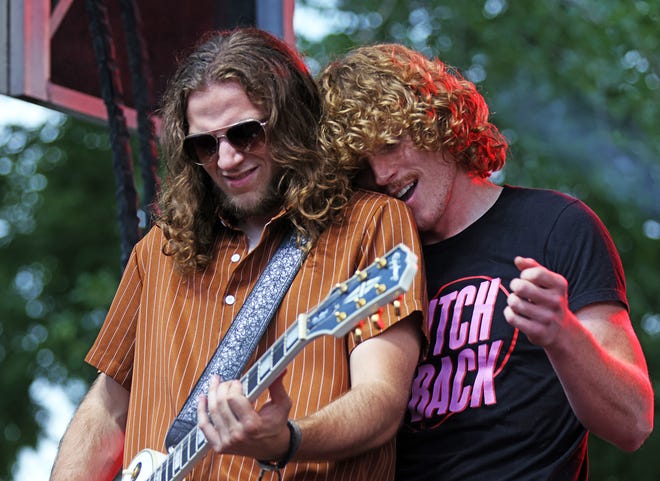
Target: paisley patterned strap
x=246, y=330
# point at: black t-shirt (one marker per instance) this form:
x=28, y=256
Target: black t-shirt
x=485, y=402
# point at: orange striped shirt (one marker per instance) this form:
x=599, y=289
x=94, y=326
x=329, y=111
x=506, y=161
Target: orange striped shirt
x=162, y=329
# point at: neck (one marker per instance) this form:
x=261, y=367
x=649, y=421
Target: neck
x=469, y=199
x=253, y=227
x=253, y=230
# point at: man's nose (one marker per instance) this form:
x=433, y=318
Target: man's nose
x=383, y=170
x=228, y=155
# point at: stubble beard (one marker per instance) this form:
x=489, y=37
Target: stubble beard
x=266, y=204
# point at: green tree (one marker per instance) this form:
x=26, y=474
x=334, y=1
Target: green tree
x=574, y=85
x=60, y=265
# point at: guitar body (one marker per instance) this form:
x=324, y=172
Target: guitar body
x=143, y=465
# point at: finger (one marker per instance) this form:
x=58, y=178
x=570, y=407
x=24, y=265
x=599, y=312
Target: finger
x=519, y=305
x=215, y=399
x=531, y=269
x=221, y=411
x=526, y=308
x=214, y=382
x=238, y=407
x=511, y=316
x=202, y=410
x=525, y=289
x=533, y=330
x=216, y=413
x=543, y=277
x=517, y=320
x=525, y=262
x=205, y=424
x=277, y=392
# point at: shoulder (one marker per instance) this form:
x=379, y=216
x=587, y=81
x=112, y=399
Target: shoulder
x=542, y=196
x=153, y=237
x=545, y=203
x=369, y=196
x=366, y=202
x=150, y=245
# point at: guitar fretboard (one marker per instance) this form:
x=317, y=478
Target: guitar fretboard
x=182, y=457
x=273, y=362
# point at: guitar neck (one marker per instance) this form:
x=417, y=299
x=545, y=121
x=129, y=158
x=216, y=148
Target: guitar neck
x=272, y=363
x=194, y=446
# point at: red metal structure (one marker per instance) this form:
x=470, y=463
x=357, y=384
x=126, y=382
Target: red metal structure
x=47, y=56
x=109, y=60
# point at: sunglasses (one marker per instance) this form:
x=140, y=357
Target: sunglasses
x=244, y=135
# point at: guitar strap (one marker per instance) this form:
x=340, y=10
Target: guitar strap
x=242, y=337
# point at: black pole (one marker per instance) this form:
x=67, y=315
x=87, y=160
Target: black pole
x=111, y=91
x=141, y=83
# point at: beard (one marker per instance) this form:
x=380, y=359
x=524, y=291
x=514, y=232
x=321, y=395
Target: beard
x=257, y=204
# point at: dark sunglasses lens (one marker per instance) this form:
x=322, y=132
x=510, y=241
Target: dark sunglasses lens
x=200, y=147
x=246, y=135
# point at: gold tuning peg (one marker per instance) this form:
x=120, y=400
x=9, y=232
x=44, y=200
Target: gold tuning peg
x=340, y=315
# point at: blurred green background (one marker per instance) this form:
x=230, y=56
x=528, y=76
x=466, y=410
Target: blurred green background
x=574, y=85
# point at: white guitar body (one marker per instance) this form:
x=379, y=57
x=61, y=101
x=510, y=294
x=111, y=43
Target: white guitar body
x=350, y=301
x=143, y=465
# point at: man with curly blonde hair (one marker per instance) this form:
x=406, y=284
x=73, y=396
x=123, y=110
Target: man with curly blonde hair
x=530, y=344
x=244, y=171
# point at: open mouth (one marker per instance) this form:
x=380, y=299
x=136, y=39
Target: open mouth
x=406, y=192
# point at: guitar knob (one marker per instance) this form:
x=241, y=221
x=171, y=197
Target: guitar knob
x=397, y=307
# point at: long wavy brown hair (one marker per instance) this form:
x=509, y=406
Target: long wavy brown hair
x=376, y=94
x=313, y=190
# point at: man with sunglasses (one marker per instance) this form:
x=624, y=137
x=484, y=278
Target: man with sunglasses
x=239, y=134
x=530, y=340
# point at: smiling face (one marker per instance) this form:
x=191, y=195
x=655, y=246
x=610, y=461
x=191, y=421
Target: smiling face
x=247, y=179
x=424, y=180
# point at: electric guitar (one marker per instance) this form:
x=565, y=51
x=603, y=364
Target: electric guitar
x=348, y=304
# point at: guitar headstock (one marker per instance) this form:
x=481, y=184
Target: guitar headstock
x=362, y=295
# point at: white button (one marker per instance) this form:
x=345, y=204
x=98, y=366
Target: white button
x=230, y=299
x=235, y=257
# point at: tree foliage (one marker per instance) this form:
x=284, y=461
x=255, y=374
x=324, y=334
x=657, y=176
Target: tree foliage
x=60, y=264
x=574, y=85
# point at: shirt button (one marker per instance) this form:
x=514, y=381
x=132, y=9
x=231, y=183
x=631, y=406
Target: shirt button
x=235, y=257
x=230, y=299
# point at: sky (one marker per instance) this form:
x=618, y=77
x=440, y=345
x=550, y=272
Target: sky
x=35, y=464
x=17, y=111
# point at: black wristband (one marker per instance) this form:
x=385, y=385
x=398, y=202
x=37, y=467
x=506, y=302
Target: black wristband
x=295, y=436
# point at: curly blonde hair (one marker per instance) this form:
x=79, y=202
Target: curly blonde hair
x=313, y=189
x=377, y=94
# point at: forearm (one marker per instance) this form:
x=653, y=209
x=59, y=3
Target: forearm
x=364, y=418
x=610, y=394
x=370, y=413
x=88, y=451
x=594, y=352
x=92, y=445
